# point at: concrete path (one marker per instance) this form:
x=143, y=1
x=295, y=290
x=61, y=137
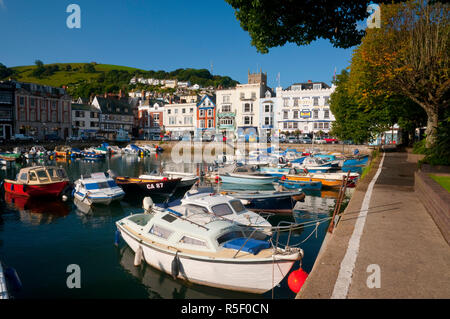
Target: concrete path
x=392, y=250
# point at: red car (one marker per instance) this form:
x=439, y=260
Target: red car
x=330, y=140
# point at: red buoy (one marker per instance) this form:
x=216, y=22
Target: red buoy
x=296, y=279
x=217, y=178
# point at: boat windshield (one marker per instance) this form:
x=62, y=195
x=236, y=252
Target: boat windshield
x=100, y=185
x=237, y=206
x=229, y=236
x=53, y=173
x=42, y=175
x=222, y=210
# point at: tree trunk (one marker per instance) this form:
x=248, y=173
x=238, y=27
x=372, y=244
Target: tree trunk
x=432, y=123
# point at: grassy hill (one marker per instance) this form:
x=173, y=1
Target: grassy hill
x=84, y=79
x=63, y=76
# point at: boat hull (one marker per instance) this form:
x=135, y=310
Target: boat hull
x=147, y=188
x=304, y=185
x=256, y=276
x=50, y=189
x=247, y=180
x=98, y=200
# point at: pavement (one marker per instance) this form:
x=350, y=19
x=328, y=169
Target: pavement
x=392, y=250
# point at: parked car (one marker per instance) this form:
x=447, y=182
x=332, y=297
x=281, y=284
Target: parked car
x=23, y=137
x=319, y=140
x=331, y=140
x=292, y=139
x=305, y=140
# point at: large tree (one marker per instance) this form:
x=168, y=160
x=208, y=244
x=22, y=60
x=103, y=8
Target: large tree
x=273, y=23
x=409, y=55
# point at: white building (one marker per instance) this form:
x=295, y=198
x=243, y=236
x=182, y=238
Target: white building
x=238, y=109
x=180, y=118
x=304, y=107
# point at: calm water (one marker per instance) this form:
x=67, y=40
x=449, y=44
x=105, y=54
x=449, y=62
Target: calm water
x=41, y=238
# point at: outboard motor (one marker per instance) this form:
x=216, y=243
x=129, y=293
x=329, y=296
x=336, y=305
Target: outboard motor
x=147, y=204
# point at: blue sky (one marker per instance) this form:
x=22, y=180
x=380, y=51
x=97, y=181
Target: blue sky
x=155, y=35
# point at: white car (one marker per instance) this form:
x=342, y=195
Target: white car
x=23, y=137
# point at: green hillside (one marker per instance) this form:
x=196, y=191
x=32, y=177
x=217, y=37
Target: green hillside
x=84, y=79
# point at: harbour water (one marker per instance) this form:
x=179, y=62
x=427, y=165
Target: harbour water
x=41, y=238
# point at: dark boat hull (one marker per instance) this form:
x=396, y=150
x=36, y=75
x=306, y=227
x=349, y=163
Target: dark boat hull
x=147, y=188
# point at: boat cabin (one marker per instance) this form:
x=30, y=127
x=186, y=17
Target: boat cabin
x=41, y=175
x=169, y=229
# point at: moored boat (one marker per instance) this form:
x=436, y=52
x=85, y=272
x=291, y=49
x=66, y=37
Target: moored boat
x=97, y=189
x=38, y=181
x=213, y=252
x=247, y=175
x=135, y=186
x=327, y=179
x=187, y=179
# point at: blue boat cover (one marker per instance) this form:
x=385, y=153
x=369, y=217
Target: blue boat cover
x=253, y=246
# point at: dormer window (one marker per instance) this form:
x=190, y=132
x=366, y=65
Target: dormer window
x=317, y=86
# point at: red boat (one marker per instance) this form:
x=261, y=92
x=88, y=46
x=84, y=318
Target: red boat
x=38, y=181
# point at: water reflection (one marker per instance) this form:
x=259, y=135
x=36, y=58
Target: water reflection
x=37, y=210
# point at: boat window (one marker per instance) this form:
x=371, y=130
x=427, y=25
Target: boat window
x=61, y=173
x=23, y=176
x=101, y=185
x=190, y=208
x=229, y=236
x=42, y=175
x=169, y=218
x=33, y=176
x=192, y=241
x=237, y=206
x=222, y=210
x=141, y=220
x=52, y=173
x=160, y=231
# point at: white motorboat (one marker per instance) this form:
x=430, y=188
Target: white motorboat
x=212, y=251
x=187, y=179
x=97, y=188
x=222, y=206
x=247, y=175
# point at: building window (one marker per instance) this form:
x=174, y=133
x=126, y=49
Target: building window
x=315, y=114
x=202, y=123
x=242, y=95
x=267, y=121
x=210, y=112
x=183, y=111
x=169, y=111
x=295, y=101
x=248, y=107
x=253, y=95
x=286, y=101
x=210, y=123
x=172, y=120
x=226, y=108
x=285, y=125
x=285, y=115
x=326, y=100
x=326, y=114
x=201, y=113
x=248, y=120
x=187, y=120
x=191, y=110
x=295, y=114
x=295, y=125
x=268, y=108
x=315, y=125
x=326, y=125
x=226, y=99
x=22, y=101
x=315, y=101
x=317, y=86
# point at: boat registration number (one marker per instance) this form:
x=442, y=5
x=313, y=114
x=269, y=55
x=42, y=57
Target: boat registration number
x=155, y=185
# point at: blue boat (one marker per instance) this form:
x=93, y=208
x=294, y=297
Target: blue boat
x=305, y=185
x=361, y=160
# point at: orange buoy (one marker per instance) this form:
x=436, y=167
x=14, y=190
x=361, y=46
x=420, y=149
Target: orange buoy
x=296, y=279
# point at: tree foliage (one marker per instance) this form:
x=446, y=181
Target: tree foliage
x=273, y=23
x=5, y=72
x=409, y=56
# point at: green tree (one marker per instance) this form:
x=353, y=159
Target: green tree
x=273, y=23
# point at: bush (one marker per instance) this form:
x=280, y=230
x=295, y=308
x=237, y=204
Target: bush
x=419, y=147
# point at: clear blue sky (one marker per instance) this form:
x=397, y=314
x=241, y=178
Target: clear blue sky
x=155, y=35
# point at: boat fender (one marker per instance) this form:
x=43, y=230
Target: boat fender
x=175, y=266
x=138, y=256
x=13, y=278
x=117, y=238
x=296, y=279
x=245, y=202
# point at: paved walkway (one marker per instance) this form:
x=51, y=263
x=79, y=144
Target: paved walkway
x=395, y=238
